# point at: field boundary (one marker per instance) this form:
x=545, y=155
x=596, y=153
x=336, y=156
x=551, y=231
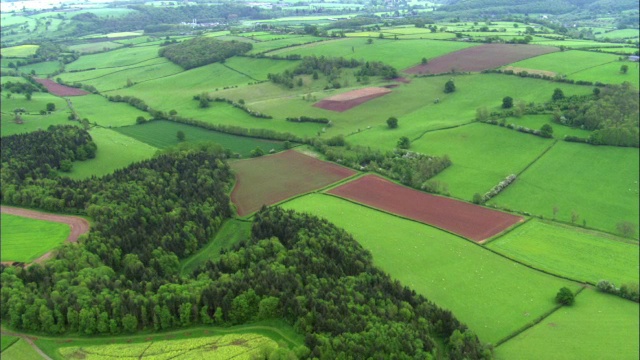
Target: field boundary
x=239, y=72
x=508, y=230
x=544, y=152
x=534, y=322
x=444, y=128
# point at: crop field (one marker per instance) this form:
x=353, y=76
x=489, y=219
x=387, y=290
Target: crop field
x=60, y=90
x=115, y=151
x=270, y=179
x=7, y=340
x=345, y=101
x=596, y=326
x=572, y=252
x=603, y=189
x=115, y=58
x=20, y=51
x=471, y=221
x=245, y=346
x=231, y=232
x=24, y=239
x=104, y=112
x=481, y=58
x=162, y=134
x=95, y=47
x=21, y=350
x=400, y=54
x=455, y=274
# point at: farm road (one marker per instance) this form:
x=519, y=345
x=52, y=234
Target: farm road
x=78, y=225
x=29, y=341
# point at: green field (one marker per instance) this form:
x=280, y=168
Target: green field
x=264, y=46
x=95, y=47
x=258, y=68
x=104, y=112
x=536, y=122
x=275, y=332
x=25, y=239
x=6, y=341
x=162, y=134
x=115, y=151
x=42, y=68
x=115, y=58
x=599, y=183
x=400, y=54
x=231, y=232
x=20, y=51
x=21, y=350
x=567, y=62
x=610, y=73
x=32, y=120
x=455, y=274
x=620, y=34
x=597, y=326
x=572, y=252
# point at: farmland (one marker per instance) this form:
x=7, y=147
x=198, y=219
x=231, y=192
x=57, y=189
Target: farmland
x=7, y=341
x=586, y=256
x=591, y=328
x=271, y=179
x=24, y=239
x=162, y=134
x=21, y=51
x=20, y=350
x=446, y=269
x=31, y=119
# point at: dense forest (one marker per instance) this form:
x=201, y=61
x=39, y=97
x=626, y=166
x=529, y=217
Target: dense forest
x=294, y=266
x=201, y=51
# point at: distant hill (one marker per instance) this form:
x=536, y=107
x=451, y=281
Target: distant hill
x=556, y=7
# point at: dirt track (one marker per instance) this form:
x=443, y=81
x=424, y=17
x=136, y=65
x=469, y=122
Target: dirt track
x=78, y=225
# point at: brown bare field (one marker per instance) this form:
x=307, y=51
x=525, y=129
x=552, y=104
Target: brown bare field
x=470, y=221
x=60, y=90
x=270, y=179
x=517, y=70
x=345, y=101
x=78, y=225
x=480, y=58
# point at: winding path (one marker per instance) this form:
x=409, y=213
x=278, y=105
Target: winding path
x=79, y=226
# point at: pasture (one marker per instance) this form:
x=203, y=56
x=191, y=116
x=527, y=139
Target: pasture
x=567, y=62
x=571, y=251
x=259, y=68
x=24, y=239
x=31, y=119
x=536, y=122
x=41, y=69
x=470, y=221
x=594, y=185
x=115, y=151
x=21, y=350
x=400, y=54
x=455, y=274
x=162, y=134
x=269, y=45
x=620, y=34
x=6, y=341
x=609, y=73
x=105, y=113
x=270, y=179
x=115, y=58
x=93, y=47
x=231, y=232
x=596, y=326
x=20, y=51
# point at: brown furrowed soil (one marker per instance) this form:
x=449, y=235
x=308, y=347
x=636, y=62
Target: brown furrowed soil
x=483, y=57
x=470, y=221
x=351, y=99
x=60, y=90
x=270, y=179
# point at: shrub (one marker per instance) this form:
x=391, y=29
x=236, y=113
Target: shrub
x=565, y=296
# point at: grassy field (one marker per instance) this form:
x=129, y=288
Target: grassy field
x=20, y=51
x=264, y=46
x=32, y=120
x=94, y=47
x=105, y=113
x=259, y=68
x=231, y=232
x=6, y=341
x=25, y=239
x=41, y=69
x=115, y=151
x=620, y=34
x=453, y=273
x=272, y=331
x=597, y=326
x=400, y=54
x=21, y=350
x=115, y=58
x=571, y=251
x=536, y=122
x=609, y=73
x=602, y=190
x=162, y=134
x=567, y=62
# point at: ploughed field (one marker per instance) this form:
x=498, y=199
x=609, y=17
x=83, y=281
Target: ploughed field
x=471, y=221
x=271, y=179
x=351, y=99
x=60, y=90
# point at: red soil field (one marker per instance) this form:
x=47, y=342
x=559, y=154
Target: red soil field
x=470, y=221
x=481, y=57
x=351, y=99
x=270, y=179
x=60, y=90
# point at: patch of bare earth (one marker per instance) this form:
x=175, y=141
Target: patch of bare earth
x=59, y=89
x=483, y=57
x=345, y=101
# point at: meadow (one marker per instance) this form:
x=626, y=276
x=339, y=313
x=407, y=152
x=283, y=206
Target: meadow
x=95, y=47
x=454, y=273
x=230, y=233
x=115, y=151
x=20, y=51
x=567, y=62
x=162, y=134
x=41, y=69
x=32, y=120
x=24, y=239
x=115, y=58
x=599, y=184
x=105, y=113
x=268, y=45
x=620, y=34
x=579, y=254
x=21, y=350
x=610, y=73
x=6, y=341
x=596, y=326
x=537, y=121
x=259, y=68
